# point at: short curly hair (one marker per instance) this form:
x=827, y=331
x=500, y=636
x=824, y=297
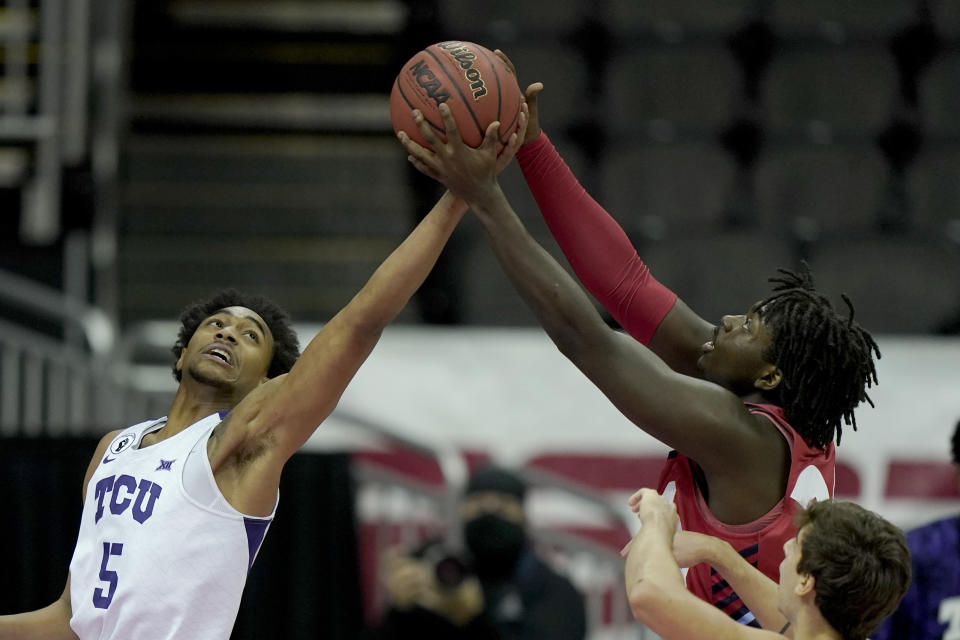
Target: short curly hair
x=860, y=561
x=286, y=346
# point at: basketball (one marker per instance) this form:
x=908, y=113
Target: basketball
x=477, y=86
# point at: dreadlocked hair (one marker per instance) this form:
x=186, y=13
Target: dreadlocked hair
x=826, y=360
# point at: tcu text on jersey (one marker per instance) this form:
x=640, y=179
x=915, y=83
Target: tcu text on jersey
x=124, y=490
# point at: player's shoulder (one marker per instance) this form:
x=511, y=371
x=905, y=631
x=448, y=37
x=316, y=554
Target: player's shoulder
x=95, y=458
x=109, y=436
x=131, y=432
x=105, y=442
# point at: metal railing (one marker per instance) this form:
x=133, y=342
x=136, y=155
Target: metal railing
x=66, y=381
x=43, y=98
x=398, y=507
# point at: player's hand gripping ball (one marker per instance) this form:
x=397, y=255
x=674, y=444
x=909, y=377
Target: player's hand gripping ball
x=474, y=82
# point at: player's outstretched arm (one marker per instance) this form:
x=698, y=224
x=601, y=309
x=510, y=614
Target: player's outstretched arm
x=701, y=419
x=602, y=255
x=296, y=404
x=655, y=588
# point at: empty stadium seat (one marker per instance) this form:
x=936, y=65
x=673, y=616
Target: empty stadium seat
x=848, y=482
x=563, y=73
x=681, y=17
x=627, y=473
x=840, y=20
x=489, y=296
x=694, y=86
x=506, y=19
x=280, y=185
x=934, y=187
x=897, y=284
x=599, y=471
x=719, y=274
x=682, y=186
x=921, y=480
x=836, y=187
x=850, y=90
x=940, y=96
x=946, y=17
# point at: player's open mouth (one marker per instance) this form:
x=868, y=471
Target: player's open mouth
x=220, y=353
x=710, y=345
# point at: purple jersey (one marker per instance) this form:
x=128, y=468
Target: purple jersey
x=931, y=608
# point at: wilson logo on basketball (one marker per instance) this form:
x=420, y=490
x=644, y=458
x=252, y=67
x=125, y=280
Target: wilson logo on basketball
x=428, y=80
x=465, y=57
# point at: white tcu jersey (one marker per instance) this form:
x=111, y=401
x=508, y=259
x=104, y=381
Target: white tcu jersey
x=151, y=561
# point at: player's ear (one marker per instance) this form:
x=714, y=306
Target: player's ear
x=806, y=585
x=770, y=377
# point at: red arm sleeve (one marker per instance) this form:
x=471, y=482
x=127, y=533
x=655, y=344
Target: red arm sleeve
x=597, y=248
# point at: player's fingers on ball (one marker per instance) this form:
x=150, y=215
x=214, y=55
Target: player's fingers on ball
x=506, y=60
x=426, y=130
x=410, y=144
x=511, y=147
x=449, y=123
x=492, y=135
x=510, y=150
x=522, y=121
x=416, y=152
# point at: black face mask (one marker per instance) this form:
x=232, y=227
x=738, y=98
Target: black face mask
x=495, y=543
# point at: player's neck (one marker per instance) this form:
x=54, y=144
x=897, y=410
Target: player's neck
x=755, y=397
x=810, y=625
x=189, y=406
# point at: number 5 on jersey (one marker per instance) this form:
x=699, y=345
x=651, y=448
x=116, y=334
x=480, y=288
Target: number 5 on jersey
x=101, y=600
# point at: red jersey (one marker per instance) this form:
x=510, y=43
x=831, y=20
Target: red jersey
x=760, y=542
